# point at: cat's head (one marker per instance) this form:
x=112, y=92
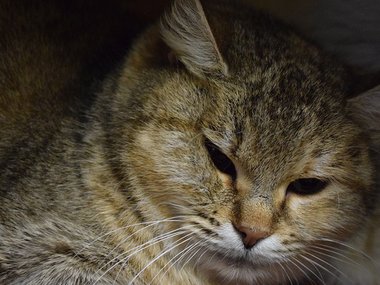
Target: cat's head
x=232, y=124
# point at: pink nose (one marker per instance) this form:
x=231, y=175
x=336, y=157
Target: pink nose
x=250, y=237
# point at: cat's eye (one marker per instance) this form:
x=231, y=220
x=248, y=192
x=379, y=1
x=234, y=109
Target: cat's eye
x=306, y=186
x=220, y=160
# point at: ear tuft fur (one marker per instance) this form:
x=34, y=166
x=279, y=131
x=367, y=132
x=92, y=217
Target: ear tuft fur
x=187, y=32
x=365, y=109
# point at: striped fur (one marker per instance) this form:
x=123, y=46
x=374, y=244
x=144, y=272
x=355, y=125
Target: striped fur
x=128, y=193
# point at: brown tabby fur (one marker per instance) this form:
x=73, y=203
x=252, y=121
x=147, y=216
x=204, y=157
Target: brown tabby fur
x=82, y=190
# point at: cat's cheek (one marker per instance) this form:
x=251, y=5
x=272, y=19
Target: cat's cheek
x=333, y=213
x=230, y=238
x=270, y=247
x=295, y=202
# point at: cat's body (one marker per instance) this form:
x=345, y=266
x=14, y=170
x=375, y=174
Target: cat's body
x=130, y=194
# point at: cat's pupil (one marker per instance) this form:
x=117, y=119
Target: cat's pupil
x=306, y=186
x=220, y=160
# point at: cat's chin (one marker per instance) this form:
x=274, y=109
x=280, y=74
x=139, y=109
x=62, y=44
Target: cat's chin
x=222, y=268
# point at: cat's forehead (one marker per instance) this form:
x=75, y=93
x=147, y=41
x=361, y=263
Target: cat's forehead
x=270, y=101
x=259, y=50
x=275, y=76
x=268, y=133
x=265, y=117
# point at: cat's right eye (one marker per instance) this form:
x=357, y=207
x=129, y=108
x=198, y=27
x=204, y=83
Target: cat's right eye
x=306, y=186
x=220, y=160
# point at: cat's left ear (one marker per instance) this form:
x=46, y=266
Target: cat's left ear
x=185, y=29
x=365, y=109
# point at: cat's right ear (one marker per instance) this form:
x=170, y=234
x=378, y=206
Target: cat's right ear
x=186, y=31
x=365, y=109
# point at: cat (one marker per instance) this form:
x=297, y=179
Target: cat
x=225, y=149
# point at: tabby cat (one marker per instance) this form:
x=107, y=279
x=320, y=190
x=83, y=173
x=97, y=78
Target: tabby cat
x=225, y=149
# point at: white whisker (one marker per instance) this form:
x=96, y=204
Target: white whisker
x=299, y=268
x=192, y=256
x=323, y=267
x=292, y=273
x=168, y=235
x=334, y=255
x=126, y=227
x=181, y=254
x=139, y=230
x=319, y=276
x=350, y=247
x=139, y=248
x=199, y=258
x=286, y=272
x=186, y=237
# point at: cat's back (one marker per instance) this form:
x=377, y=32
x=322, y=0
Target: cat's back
x=46, y=81
x=53, y=56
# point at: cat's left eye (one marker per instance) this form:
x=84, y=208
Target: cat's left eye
x=306, y=186
x=220, y=160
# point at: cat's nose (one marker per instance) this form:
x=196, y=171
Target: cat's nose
x=249, y=236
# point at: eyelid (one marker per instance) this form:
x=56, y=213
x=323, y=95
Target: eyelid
x=220, y=160
x=225, y=150
x=307, y=186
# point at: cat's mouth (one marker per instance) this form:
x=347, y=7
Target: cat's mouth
x=240, y=259
x=245, y=268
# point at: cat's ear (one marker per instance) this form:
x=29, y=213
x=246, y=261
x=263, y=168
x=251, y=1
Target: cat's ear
x=365, y=109
x=186, y=31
